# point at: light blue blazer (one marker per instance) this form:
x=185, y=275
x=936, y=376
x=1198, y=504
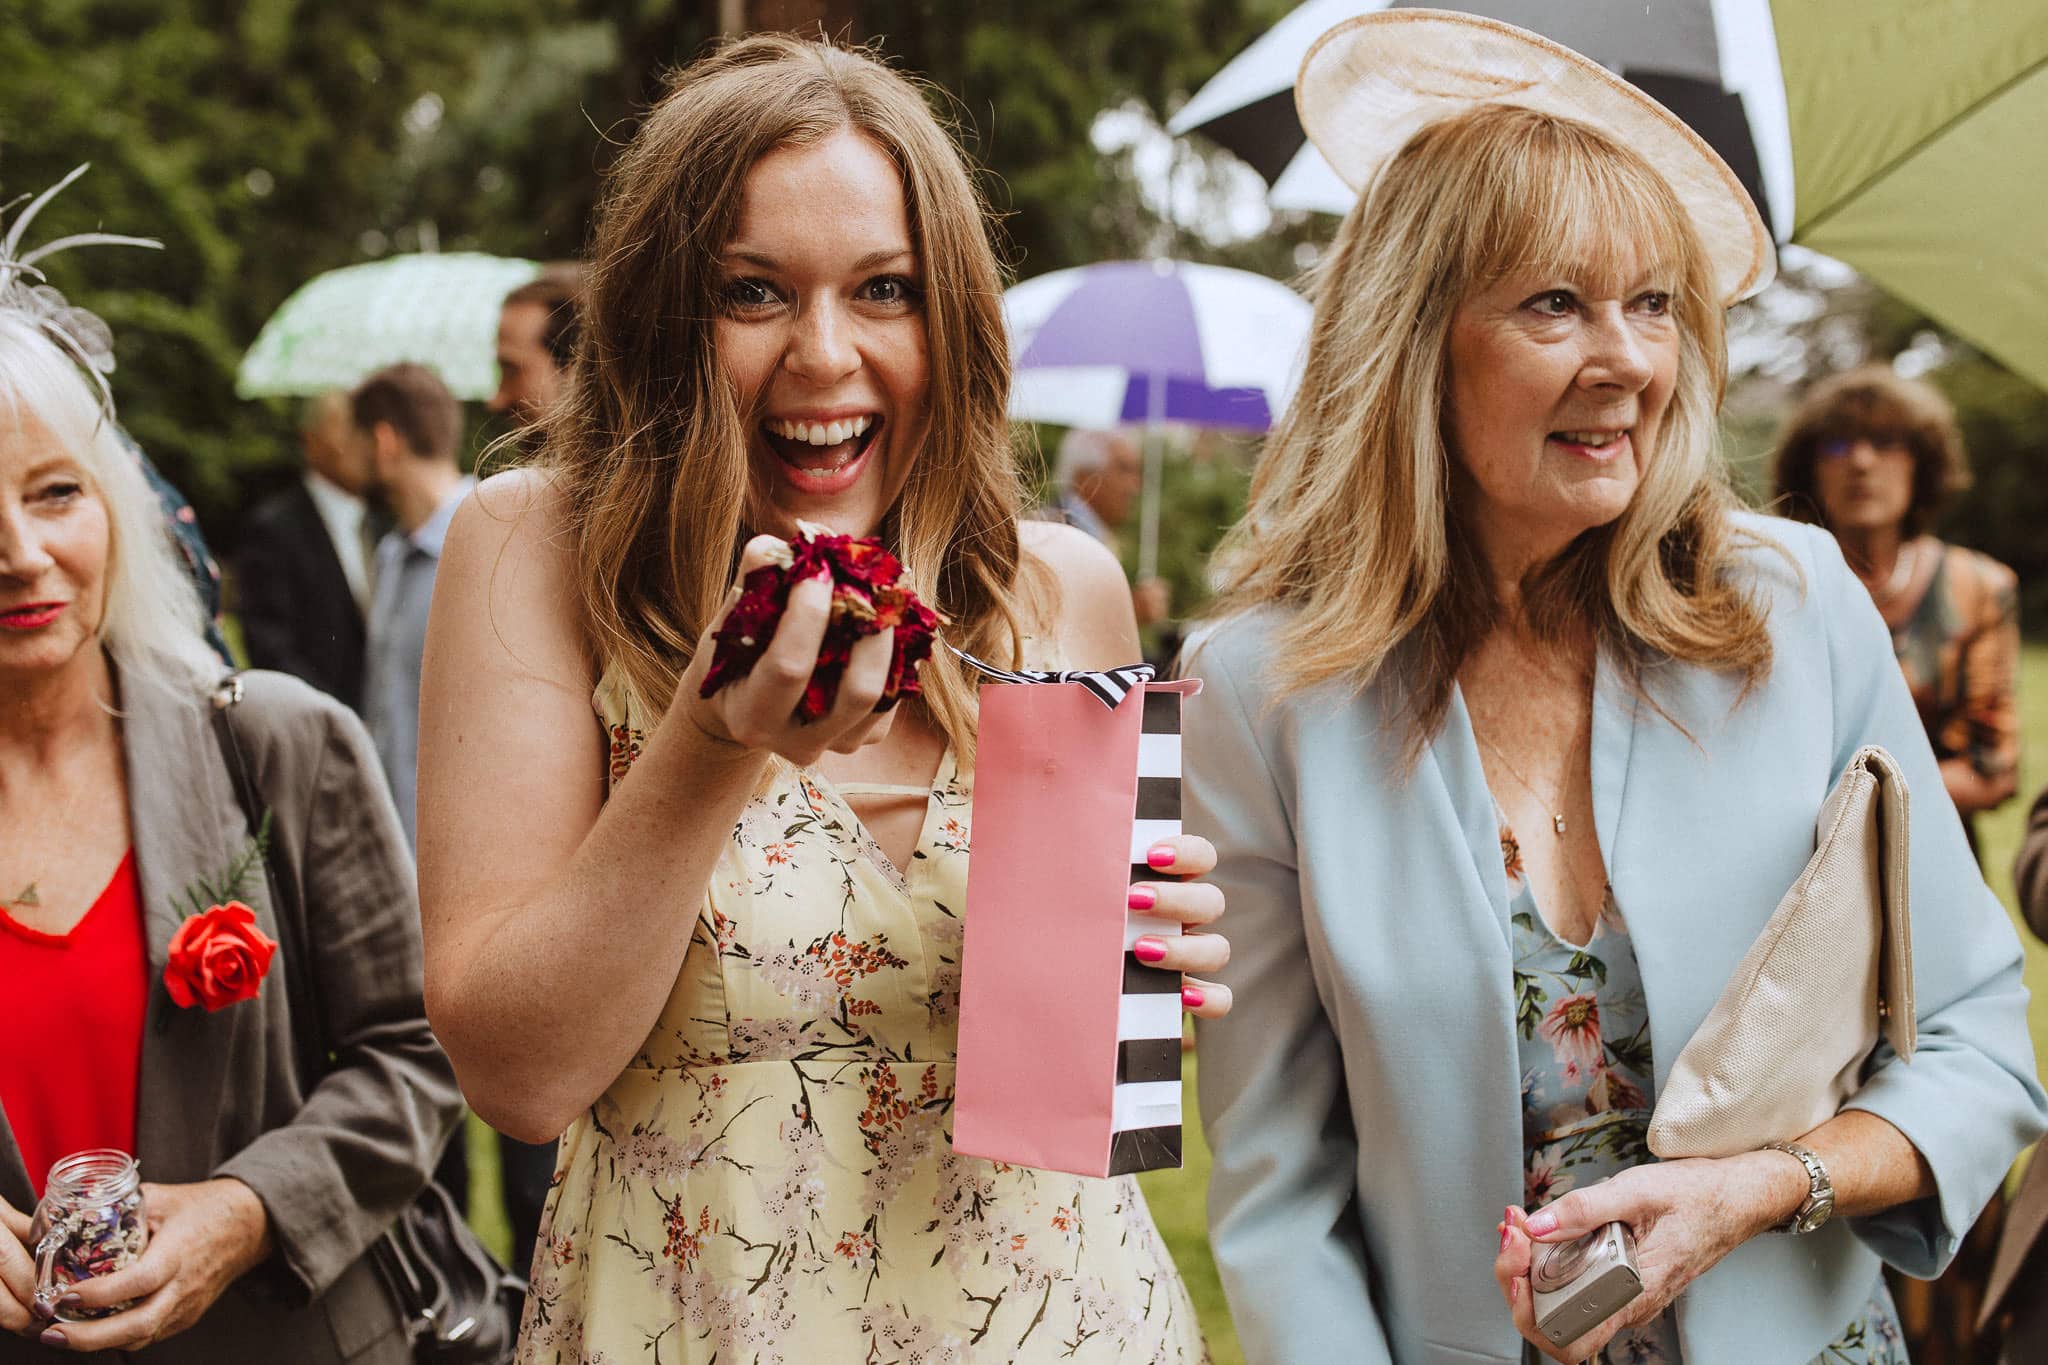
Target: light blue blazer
x=1363, y=1098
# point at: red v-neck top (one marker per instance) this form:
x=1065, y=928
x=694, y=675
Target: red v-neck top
x=71, y=1015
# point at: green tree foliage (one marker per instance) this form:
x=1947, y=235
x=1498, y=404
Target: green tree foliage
x=267, y=140
x=259, y=140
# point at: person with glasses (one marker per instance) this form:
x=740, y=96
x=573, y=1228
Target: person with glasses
x=1872, y=456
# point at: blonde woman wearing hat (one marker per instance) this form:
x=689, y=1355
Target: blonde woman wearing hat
x=1515, y=733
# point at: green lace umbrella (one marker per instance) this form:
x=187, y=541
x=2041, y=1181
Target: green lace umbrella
x=439, y=310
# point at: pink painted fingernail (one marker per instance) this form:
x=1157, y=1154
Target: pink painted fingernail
x=72, y=1300
x=1503, y=1236
x=1542, y=1224
x=1191, y=998
x=52, y=1337
x=1150, y=949
x=1162, y=855
x=1143, y=898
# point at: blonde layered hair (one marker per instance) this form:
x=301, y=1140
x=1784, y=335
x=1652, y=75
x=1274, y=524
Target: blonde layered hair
x=648, y=443
x=1354, y=524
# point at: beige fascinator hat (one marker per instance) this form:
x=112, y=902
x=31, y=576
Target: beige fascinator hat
x=1373, y=82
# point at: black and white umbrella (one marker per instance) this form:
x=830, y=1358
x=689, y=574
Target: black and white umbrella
x=1908, y=138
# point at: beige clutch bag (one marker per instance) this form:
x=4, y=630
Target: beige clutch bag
x=1785, y=1044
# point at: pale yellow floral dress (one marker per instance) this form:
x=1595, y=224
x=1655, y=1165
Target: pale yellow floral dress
x=772, y=1179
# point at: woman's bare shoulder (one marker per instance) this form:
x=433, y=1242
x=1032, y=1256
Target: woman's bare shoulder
x=1088, y=606
x=1071, y=554
x=507, y=578
x=524, y=504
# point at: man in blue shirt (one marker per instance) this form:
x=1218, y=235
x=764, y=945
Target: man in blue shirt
x=412, y=427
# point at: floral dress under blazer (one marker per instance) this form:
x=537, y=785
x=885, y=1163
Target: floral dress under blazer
x=1584, y=1035
x=773, y=1179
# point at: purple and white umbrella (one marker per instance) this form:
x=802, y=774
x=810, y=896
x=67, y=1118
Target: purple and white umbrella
x=1152, y=342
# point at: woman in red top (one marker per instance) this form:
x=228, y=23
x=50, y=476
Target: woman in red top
x=132, y=1015
x=77, y=1090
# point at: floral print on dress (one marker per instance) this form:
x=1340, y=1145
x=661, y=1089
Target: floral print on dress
x=772, y=1178
x=1583, y=1029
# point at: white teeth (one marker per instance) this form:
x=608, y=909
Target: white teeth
x=821, y=433
x=1590, y=438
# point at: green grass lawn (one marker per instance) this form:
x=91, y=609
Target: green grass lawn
x=1177, y=1197
x=1999, y=832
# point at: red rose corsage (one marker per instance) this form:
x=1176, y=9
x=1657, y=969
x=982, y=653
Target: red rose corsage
x=218, y=957
x=868, y=597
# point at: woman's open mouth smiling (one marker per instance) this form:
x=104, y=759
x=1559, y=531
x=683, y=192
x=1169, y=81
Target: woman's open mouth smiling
x=822, y=457
x=1592, y=444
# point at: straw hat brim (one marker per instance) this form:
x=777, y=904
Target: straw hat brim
x=1371, y=83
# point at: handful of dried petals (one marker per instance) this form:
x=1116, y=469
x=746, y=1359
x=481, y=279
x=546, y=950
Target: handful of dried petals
x=867, y=599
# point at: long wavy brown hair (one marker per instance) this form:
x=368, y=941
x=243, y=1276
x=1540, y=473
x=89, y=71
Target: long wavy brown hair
x=647, y=442
x=1354, y=521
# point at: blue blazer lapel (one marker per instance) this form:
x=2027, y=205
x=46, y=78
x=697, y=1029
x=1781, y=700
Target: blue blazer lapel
x=1455, y=752
x=1615, y=715
x=186, y=825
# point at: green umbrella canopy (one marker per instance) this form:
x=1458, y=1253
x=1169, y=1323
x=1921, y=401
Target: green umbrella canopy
x=1906, y=137
x=438, y=310
x=1920, y=145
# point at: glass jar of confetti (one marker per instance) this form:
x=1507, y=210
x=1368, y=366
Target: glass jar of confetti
x=89, y=1223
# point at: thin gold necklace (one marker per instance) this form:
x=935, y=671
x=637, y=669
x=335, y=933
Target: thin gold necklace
x=30, y=897
x=1551, y=803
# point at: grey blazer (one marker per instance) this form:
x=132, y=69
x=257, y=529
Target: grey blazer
x=334, y=1158
x=1363, y=1099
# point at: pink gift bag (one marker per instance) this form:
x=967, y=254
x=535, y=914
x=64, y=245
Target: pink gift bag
x=1070, y=1047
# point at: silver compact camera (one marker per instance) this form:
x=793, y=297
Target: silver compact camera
x=1580, y=1284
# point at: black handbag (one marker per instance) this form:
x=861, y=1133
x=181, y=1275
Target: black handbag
x=459, y=1305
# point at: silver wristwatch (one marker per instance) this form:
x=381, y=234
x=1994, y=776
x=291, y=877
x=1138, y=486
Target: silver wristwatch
x=1820, y=1191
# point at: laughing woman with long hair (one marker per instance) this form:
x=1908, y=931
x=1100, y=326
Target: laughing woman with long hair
x=717, y=946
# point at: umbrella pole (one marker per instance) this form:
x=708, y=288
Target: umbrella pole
x=1155, y=460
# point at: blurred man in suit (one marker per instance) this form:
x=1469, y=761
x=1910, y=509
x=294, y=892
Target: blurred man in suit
x=302, y=577
x=536, y=340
